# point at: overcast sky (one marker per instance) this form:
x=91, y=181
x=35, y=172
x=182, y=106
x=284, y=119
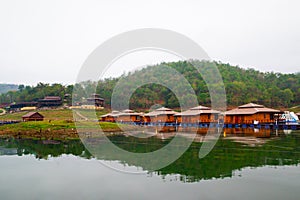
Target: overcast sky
x=48, y=41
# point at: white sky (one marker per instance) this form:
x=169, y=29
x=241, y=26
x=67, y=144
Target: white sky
x=48, y=40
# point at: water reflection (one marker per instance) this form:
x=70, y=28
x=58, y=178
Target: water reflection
x=236, y=149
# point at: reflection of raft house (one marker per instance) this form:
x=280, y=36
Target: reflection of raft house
x=199, y=114
x=249, y=113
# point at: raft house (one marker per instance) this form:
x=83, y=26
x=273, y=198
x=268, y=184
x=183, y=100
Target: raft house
x=95, y=100
x=250, y=115
x=160, y=116
x=129, y=116
x=199, y=114
x=110, y=117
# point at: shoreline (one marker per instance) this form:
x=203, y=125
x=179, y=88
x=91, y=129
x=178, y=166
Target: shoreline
x=55, y=130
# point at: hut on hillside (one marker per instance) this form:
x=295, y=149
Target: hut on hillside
x=95, y=100
x=129, y=116
x=250, y=114
x=161, y=115
x=18, y=106
x=110, y=117
x=33, y=116
x=199, y=114
x=50, y=101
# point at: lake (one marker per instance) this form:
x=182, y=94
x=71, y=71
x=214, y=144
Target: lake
x=260, y=164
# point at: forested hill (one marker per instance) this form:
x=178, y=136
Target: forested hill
x=7, y=87
x=242, y=86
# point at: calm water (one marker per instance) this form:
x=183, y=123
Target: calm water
x=242, y=165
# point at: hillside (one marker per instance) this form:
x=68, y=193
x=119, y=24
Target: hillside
x=242, y=86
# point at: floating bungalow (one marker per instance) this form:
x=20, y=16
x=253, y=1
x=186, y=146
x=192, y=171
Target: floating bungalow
x=164, y=115
x=129, y=116
x=110, y=117
x=199, y=114
x=33, y=116
x=251, y=114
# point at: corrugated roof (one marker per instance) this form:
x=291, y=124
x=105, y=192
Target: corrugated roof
x=131, y=114
x=161, y=111
x=251, y=105
x=52, y=98
x=114, y=113
x=198, y=111
x=250, y=109
x=200, y=108
x=127, y=111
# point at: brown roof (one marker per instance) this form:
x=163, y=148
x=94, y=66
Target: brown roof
x=31, y=114
x=251, y=105
x=52, y=98
x=200, y=108
x=161, y=111
x=127, y=111
x=114, y=113
x=198, y=111
x=250, y=109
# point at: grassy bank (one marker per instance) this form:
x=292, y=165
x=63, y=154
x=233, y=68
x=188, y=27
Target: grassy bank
x=55, y=114
x=57, y=124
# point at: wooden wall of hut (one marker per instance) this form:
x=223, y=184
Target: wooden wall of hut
x=110, y=119
x=129, y=118
x=203, y=118
x=249, y=119
x=160, y=118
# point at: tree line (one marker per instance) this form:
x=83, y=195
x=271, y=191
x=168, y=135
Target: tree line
x=242, y=86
